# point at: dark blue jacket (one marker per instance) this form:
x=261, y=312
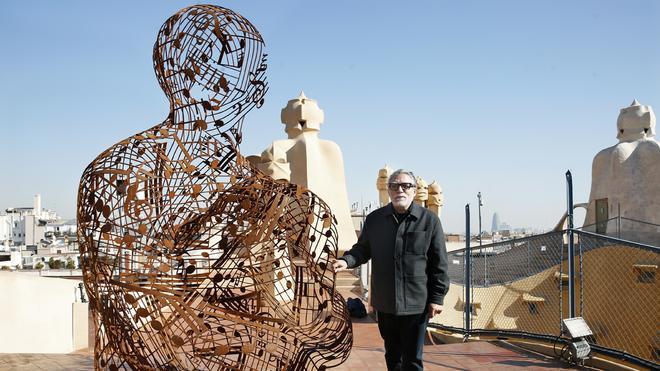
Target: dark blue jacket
x=408, y=259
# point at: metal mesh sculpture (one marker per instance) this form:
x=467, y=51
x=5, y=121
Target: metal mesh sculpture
x=192, y=258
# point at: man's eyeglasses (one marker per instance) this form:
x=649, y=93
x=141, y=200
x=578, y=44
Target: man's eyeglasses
x=404, y=186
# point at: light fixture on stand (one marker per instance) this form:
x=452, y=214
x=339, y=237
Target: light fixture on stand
x=577, y=329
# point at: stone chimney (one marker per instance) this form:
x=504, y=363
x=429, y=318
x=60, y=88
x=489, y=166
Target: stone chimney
x=301, y=114
x=37, y=205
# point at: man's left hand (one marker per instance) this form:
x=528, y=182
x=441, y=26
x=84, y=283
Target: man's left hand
x=434, y=309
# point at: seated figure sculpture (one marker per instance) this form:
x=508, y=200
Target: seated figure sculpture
x=192, y=258
x=626, y=180
x=422, y=195
x=305, y=159
x=381, y=185
x=436, y=199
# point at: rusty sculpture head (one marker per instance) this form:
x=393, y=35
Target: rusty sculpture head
x=192, y=259
x=209, y=61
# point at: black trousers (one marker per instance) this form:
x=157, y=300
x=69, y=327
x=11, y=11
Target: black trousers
x=404, y=340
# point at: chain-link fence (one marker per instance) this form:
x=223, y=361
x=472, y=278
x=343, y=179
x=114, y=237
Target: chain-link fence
x=620, y=293
x=521, y=287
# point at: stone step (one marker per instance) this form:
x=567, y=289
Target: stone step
x=347, y=279
x=350, y=292
x=348, y=284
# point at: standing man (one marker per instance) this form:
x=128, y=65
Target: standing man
x=409, y=279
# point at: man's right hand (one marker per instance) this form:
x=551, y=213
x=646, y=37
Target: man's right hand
x=339, y=265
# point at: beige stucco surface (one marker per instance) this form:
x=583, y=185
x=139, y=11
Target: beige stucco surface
x=80, y=316
x=36, y=313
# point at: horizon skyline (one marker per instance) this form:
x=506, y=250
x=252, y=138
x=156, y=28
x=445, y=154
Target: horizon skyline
x=500, y=98
x=473, y=232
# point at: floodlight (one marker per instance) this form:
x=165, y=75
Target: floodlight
x=577, y=329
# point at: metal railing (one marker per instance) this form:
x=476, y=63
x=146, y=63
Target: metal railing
x=525, y=287
x=620, y=227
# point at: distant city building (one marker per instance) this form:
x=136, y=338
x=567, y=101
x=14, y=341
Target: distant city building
x=504, y=226
x=25, y=225
x=453, y=237
x=527, y=231
x=496, y=223
x=29, y=235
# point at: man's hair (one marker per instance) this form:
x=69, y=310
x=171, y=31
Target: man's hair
x=402, y=171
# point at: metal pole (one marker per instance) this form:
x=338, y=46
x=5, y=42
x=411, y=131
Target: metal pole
x=82, y=293
x=468, y=305
x=571, y=247
x=618, y=220
x=480, y=205
x=529, y=262
x=480, y=237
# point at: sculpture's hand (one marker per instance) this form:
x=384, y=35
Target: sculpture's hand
x=339, y=265
x=434, y=309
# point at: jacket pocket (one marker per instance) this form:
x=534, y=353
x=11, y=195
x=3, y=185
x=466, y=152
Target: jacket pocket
x=417, y=242
x=414, y=265
x=415, y=292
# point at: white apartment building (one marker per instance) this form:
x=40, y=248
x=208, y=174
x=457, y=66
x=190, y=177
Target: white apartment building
x=12, y=227
x=27, y=226
x=32, y=234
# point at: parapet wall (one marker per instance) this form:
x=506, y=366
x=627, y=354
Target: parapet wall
x=37, y=315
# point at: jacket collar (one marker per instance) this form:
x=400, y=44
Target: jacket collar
x=415, y=210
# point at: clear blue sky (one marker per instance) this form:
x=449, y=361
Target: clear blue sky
x=500, y=97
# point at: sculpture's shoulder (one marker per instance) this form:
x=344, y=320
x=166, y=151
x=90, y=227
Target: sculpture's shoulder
x=330, y=146
x=332, y=152
x=122, y=158
x=647, y=156
x=279, y=148
x=650, y=146
x=603, y=158
x=109, y=158
x=642, y=148
x=604, y=154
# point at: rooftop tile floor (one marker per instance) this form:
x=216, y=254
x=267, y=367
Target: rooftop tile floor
x=367, y=354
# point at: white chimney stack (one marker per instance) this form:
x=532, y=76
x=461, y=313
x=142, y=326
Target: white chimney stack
x=37, y=205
